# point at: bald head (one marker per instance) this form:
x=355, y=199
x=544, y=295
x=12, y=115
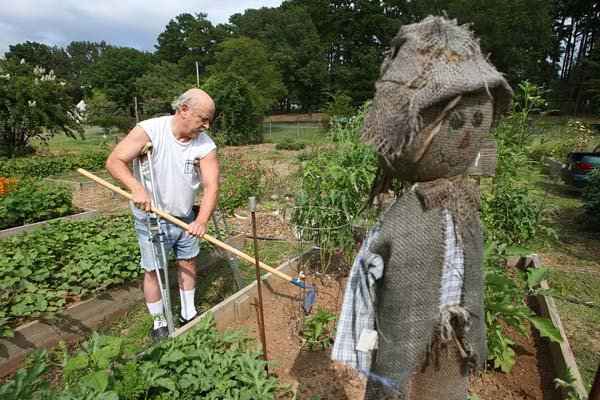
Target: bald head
x=194, y=98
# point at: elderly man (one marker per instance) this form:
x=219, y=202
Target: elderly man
x=178, y=141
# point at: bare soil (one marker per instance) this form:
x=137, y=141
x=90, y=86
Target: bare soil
x=313, y=375
x=100, y=199
x=268, y=226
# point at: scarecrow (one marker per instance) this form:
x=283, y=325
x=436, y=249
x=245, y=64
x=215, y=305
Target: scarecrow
x=413, y=317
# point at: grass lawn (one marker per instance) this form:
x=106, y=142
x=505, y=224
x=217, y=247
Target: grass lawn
x=574, y=262
x=303, y=132
x=92, y=140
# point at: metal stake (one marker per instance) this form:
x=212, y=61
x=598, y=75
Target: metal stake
x=261, y=322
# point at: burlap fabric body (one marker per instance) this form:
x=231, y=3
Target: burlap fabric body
x=433, y=105
x=410, y=360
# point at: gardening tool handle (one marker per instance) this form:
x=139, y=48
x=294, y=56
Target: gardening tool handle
x=183, y=225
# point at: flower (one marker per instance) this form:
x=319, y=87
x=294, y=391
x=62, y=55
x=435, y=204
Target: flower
x=7, y=185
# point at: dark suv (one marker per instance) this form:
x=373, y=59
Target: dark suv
x=578, y=166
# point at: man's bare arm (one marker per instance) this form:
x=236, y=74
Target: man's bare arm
x=129, y=148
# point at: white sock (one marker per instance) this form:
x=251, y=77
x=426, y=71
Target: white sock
x=188, y=308
x=157, y=311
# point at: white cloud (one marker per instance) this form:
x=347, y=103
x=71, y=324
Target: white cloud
x=132, y=23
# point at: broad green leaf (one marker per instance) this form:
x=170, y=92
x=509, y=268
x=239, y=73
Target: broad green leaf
x=76, y=363
x=535, y=276
x=547, y=329
x=97, y=380
x=165, y=382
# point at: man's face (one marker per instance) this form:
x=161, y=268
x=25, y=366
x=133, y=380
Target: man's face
x=197, y=119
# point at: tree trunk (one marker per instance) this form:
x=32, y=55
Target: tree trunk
x=567, y=48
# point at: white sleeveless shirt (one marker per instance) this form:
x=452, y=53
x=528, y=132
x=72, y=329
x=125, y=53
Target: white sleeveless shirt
x=177, y=177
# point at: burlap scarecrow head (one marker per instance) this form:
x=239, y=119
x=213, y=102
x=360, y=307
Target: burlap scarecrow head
x=435, y=101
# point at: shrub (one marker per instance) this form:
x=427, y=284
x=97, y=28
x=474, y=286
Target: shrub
x=43, y=167
x=34, y=201
x=290, y=145
x=241, y=178
x=591, y=200
x=513, y=214
x=577, y=136
x=511, y=211
x=239, y=114
x=34, y=105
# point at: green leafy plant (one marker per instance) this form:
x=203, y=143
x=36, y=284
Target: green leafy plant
x=504, y=306
x=338, y=104
x=42, y=269
x=43, y=167
x=289, y=144
x=511, y=213
x=568, y=384
x=28, y=382
x=34, y=201
x=333, y=187
x=318, y=331
x=202, y=363
x=241, y=178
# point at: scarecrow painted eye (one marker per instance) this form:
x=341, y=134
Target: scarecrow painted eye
x=477, y=118
x=457, y=120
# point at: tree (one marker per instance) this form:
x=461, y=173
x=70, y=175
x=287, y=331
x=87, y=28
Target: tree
x=239, y=114
x=338, y=104
x=33, y=104
x=188, y=39
x=592, y=79
x=577, y=27
x=248, y=58
x=158, y=87
x=50, y=58
x=115, y=72
x=294, y=46
x=517, y=34
x=355, y=35
x=83, y=54
x=102, y=112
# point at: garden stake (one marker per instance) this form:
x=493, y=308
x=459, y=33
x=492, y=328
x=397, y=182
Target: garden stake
x=261, y=321
x=311, y=291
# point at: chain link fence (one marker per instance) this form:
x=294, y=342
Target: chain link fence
x=298, y=131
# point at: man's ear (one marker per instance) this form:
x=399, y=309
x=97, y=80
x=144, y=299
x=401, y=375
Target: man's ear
x=184, y=108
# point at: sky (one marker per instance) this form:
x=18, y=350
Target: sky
x=127, y=23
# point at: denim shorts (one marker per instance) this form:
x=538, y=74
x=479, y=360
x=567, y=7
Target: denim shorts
x=184, y=248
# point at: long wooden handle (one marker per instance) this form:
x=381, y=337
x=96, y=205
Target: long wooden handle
x=183, y=225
